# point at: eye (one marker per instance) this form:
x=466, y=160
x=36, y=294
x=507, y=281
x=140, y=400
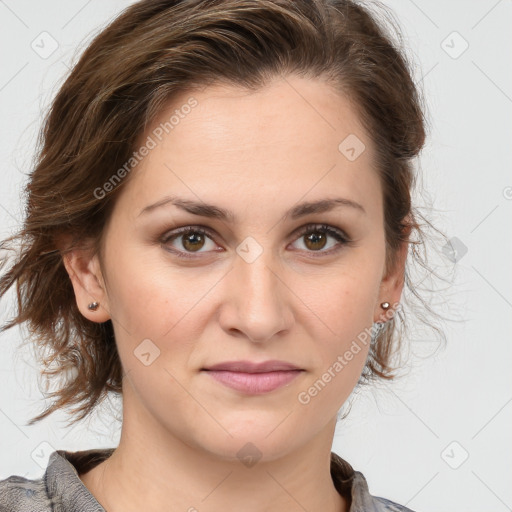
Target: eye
x=315, y=238
x=191, y=239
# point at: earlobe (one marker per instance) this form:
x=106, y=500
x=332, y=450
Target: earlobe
x=391, y=286
x=84, y=272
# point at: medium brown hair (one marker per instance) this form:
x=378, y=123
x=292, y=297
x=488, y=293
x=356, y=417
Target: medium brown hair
x=151, y=52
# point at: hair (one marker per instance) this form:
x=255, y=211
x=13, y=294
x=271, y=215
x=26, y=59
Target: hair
x=153, y=51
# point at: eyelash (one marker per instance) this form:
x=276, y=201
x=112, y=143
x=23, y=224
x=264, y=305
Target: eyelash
x=306, y=230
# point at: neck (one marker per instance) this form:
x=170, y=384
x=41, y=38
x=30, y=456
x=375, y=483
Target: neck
x=161, y=472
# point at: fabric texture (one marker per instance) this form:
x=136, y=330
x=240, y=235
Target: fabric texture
x=61, y=490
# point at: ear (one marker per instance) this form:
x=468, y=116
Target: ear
x=392, y=285
x=84, y=270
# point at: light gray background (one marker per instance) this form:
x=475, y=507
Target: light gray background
x=408, y=438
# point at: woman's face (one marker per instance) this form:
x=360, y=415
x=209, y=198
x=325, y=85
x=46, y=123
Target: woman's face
x=252, y=286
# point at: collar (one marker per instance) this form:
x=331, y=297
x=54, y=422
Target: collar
x=67, y=490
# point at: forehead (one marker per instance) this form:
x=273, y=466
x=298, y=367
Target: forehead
x=287, y=110
x=286, y=138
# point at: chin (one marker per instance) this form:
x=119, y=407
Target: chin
x=250, y=442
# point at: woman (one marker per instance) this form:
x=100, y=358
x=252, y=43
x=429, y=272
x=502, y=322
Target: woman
x=218, y=228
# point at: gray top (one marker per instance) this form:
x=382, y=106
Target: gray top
x=61, y=490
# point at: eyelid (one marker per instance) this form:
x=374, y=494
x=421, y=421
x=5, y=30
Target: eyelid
x=321, y=226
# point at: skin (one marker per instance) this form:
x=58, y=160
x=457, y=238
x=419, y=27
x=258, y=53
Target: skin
x=257, y=154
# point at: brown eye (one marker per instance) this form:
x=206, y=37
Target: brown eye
x=187, y=241
x=316, y=238
x=192, y=241
x=315, y=241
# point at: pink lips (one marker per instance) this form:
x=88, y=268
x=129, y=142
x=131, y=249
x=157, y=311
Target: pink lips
x=253, y=378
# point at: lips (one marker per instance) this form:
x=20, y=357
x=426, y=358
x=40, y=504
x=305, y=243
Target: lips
x=253, y=378
x=253, y=367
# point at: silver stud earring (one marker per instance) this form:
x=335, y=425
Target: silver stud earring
x=93, y=306
x=385, y=305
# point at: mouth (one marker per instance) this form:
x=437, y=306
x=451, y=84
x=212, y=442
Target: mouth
x=253, y=378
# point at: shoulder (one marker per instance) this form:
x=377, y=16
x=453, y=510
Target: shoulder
x=352, y=484
x=389, y=506
x=60, y=488
x=364, y=500
x=19, y=494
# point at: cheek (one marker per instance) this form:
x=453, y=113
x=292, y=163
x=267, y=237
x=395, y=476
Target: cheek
x=341, y=301
x=339, y=315
x=149, y=297
x=342, y=339
x=151, y=312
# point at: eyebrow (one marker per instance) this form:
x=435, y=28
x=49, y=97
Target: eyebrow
x=216, y=212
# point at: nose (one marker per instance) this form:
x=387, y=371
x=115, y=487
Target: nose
x=257, y=303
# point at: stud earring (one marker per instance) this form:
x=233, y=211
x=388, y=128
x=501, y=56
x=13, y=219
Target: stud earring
x=93, y=306
x=385, y=305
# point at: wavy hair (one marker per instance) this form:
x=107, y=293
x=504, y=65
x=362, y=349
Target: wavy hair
x=153, y=51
